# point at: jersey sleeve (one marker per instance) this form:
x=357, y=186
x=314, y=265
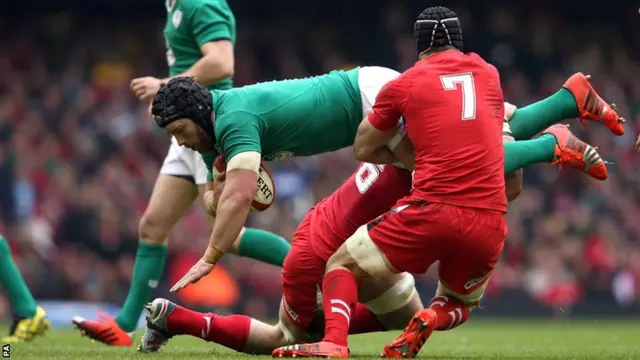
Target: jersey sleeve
x=211, y=20
x=387, y=109
x=239, y=132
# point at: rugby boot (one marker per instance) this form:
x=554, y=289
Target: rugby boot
x=104, y=330
x=575, y=153
x=25, y=329
x=409, y=343
x=322, y=349
x=591, y=106
x=156, y=333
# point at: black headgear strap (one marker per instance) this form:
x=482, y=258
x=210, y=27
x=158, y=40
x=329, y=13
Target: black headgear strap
x=426, y=33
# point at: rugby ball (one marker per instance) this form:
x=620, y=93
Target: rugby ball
x=265, y=194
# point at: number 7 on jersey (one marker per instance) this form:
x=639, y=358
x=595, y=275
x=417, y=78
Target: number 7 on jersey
x=465, y=83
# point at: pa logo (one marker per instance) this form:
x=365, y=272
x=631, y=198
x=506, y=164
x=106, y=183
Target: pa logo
x=6, y=351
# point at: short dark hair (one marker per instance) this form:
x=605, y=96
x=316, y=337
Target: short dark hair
x=183, y=97
x=437, y=27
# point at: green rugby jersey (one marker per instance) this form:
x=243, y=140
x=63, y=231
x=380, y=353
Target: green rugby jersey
x=191, y=24
x=281, y=119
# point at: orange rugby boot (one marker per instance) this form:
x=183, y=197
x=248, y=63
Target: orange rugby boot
x=323, y=349
x=409, y=343
x=575, y=153
x=591, y=106
x=104, y=330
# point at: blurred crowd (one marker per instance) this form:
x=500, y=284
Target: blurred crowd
x=79, y=154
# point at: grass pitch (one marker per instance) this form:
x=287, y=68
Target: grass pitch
x=477, y=340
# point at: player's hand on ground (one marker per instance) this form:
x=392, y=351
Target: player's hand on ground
x=197, y=272
x=145, y=88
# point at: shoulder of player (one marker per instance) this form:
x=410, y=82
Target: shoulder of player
x=480, y=60
x=236, y=117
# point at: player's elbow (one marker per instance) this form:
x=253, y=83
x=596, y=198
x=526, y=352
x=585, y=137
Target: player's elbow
x=240, y=187
x=243, y=198
x=223, y=65
x=226, y=69
x=361, y=149
x=362, y=152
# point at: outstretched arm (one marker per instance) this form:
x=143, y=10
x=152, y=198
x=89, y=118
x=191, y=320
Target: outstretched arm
x=234, y=205
x=241, y=181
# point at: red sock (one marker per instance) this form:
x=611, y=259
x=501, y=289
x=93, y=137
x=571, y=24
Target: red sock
x=339, y=298
x=364, y=321
x=229, y=331
x=451, y=312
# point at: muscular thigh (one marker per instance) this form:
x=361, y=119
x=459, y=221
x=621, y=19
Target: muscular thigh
x=393, y=299
x=170, y=200
x=302, y=274
x=466, y=269
x=413, y=235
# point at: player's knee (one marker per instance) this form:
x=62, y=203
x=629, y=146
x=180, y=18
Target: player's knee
x=395, y=298
x=339, y=259
x=471, y=299
x=152, y=229
x=289, y=333
x=363, y=253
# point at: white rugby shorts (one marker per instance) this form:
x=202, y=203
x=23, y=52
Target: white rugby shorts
x=186, y=163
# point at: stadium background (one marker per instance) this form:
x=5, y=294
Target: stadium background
x=79, y=154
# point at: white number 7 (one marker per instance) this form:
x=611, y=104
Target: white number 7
x=450, y=82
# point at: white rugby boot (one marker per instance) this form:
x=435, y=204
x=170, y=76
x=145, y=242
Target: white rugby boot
x=156, y=334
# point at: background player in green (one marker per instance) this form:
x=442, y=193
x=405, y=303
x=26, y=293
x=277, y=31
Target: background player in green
x=200, y=36
x=303, y=117
x=29, y=318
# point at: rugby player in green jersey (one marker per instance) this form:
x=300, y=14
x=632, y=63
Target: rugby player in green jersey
x=200, y=36
x=303, y=117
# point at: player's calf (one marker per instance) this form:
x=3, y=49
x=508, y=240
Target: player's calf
x=165, y=319
x=451, y=312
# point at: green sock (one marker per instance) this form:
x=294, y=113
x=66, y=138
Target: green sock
x=264, y=246
x=147, y=271
x=21, y=299
x=519, y=154
x=532, y=119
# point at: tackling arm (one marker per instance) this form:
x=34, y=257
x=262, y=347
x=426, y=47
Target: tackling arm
x=370, y=144
x=379, y=127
